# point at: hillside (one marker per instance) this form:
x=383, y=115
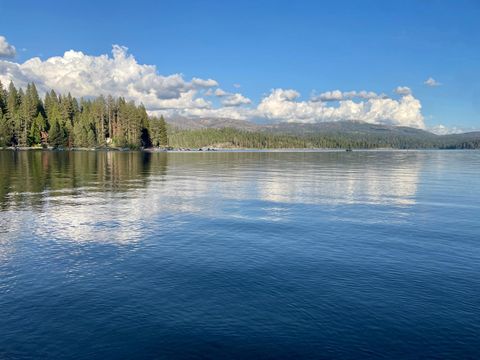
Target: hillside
x=343, y=134
x=338, y=127
x=184, y=123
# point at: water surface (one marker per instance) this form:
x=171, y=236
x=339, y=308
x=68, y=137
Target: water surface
x=239, y=255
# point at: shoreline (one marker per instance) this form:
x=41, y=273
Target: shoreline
x=213, y=149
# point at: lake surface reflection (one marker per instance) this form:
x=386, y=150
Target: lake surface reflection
x=239, y=254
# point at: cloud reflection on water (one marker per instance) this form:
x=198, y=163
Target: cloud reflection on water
x=115, y=197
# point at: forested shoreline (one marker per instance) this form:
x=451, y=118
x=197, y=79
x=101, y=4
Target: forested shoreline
x=236, y=138
x=62, y=121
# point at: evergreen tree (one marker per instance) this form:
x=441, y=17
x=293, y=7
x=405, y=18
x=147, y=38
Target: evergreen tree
x=5, y=136
x=111, y=115
x=163, y=137
x=159, y=131
x=3, y=99
x=38, y=126
x=12, y=100
x=12, y=115
x=29, y=109
x=91, y=142
x=80, y=135
x=98, y=113
x=57, y=136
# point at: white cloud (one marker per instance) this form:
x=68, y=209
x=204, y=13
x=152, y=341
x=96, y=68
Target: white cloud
x=445, y=130
x=204, y=83
x=236, y=100
x=231, y=112
x=432, y=82
x=403, y=90
x=337, y=95
x=283, y=105
x=6, y=50
x=231, y=99
x=121, y=75
x=219, y=92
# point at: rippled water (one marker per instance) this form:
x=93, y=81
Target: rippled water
x=243, y=255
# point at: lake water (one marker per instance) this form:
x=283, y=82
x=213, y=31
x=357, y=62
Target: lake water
x=115, y=255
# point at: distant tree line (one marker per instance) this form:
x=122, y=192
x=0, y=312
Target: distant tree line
x=63, y=121
x=235, y=138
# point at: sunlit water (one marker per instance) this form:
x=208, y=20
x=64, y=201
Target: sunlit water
x=239, y=255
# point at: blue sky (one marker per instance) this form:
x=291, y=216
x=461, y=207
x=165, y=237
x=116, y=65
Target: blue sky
x=309, y=46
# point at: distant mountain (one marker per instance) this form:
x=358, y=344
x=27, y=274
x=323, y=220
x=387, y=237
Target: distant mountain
x=325, y=134
x=337, y=127
x=345, y=127
x=212, y=123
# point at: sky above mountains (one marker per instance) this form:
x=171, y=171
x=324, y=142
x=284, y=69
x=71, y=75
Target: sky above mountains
x=412, y=63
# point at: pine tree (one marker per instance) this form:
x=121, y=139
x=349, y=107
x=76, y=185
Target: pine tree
x=57, y=136
x=29, y=109
x=158, y=128
x=51, y=106
x=79, y=135
x=12, y=99
x=3, y=99
x=13, y=102
x=90, y=138
x=38, y=126
x=111, y=115
x=4, y=130
x=163, y=137
x=19, y=120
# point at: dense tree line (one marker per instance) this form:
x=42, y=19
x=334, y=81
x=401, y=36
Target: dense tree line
x=63, y=121
x=235, y=138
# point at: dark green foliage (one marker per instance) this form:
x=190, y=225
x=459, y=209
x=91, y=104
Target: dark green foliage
x=63, y=121
x=91, y=139
x=12, y=112
x=38, y=125
x=235, y=138
x=158, y=128
x=5, y=136
x=57, y=136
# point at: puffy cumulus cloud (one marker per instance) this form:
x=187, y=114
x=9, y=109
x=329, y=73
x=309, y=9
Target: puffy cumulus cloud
x=204, y=83
x=219, y=92
x=284, y=105
x=337, y=95
x=445, y=130
x=403, y=90
x=236, y=100
x=231, y=99
x=118, y=75
x=230, y=112
x=432, y=82
x=6, y=50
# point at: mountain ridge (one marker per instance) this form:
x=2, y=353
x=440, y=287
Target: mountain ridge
x=187, y=132
x=294, y=128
